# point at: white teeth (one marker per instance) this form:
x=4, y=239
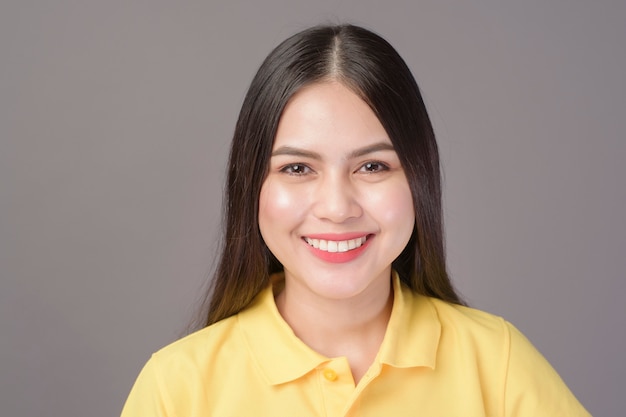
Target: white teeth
x=336, y=245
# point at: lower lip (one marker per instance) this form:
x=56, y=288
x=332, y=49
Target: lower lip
x=339, y=257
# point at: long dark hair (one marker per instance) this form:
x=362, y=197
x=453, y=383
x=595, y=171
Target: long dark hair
x=369, y=66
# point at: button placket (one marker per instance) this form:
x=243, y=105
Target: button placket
x=336, y=384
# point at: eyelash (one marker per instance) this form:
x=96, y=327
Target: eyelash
x=290, y=169
x=381, y=167
x=299, y=169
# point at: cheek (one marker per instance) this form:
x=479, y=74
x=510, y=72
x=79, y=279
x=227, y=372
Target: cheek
x=400, y=217
x=394, y=206
x=278, y=206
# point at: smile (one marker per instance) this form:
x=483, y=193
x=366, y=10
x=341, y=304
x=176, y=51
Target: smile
x=336, y=245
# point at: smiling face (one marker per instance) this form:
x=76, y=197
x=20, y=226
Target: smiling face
x=335, y=208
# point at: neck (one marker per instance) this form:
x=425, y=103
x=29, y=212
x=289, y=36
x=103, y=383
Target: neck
x=353, y=328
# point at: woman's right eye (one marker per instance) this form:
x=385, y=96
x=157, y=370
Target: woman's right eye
x=295, y=169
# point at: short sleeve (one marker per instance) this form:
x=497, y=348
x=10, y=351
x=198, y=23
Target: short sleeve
x=533, y=388
x=146, y=398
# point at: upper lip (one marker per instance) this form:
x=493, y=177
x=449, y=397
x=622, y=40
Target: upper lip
x=337, y=236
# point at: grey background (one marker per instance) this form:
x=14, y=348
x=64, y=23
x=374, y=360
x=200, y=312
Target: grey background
x=115, y=120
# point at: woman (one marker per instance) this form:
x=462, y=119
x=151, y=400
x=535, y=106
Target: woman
x=332, y=296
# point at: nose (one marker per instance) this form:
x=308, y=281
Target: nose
x=336, y=200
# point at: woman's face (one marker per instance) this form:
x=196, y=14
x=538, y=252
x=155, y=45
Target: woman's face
x=335, y=208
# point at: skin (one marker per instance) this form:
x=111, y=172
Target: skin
x=335, y=175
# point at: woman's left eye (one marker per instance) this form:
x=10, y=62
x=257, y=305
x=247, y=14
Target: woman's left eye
x=295, y=169
x=373, y=166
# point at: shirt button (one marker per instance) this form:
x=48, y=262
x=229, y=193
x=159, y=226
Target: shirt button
x=330, y=375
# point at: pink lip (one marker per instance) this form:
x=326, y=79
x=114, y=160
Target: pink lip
x=338, y=257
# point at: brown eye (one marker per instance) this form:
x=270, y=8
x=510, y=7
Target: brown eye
x=295, y=169
x=373, y=166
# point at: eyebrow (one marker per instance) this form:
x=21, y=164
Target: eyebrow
x=293, y=151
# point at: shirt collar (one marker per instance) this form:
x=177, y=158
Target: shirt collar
x=277, y=351
x=411, y=339
x=413, y=332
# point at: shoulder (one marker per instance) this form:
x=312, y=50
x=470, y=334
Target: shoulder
x=487, y=332
x=483, y=334
x=470, y=322
x=505, y=359
x=201, y=346
x=176, y=379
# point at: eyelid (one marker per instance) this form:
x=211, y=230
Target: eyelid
x=286, y=167
x=383, y=166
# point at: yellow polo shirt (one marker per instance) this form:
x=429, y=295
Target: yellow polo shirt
x=437, y=359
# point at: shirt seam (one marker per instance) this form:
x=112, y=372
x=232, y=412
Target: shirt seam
x=167, y=401
x=506, y=355
x=320, y=385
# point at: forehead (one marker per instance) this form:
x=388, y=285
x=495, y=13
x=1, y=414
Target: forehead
x=328, y=113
